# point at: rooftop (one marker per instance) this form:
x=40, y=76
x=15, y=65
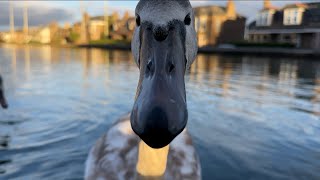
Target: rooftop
x=210, y=10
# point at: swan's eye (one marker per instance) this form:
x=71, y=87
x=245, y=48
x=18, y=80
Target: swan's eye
x=138, y=20
x=187, y=20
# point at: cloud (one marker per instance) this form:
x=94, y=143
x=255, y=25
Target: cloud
x=42, y=12
x=39, y=13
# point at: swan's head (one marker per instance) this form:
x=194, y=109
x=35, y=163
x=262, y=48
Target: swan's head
x=164, y=45
x=3, y=101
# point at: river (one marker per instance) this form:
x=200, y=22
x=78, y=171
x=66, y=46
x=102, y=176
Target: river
x=251, y=117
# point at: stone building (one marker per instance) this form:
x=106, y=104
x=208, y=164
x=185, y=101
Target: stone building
x=297, y=24
x=84, y=29
x=122, y=29
x=218, y=25
x=42, y=35
x=97, y=28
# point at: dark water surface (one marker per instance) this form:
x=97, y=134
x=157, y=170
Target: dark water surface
x=250, y=117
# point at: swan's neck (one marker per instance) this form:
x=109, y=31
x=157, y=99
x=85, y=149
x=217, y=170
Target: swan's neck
x=151, y=162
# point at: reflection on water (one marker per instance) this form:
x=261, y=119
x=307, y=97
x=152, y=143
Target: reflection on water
x=250, y=117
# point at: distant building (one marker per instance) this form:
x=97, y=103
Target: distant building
x=6, y=37
x=297, y=24
x=97, y=27
x=122, y=29
x=218, y=25
x=84, y=29
x=90, y=28
x=17, y=37
x=42, y=35
x=94, y=28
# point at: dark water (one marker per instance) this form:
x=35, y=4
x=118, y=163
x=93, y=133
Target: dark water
x=250, y=117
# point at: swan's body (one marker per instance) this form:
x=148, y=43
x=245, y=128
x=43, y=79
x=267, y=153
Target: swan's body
x=152, y=143
x=115, y=155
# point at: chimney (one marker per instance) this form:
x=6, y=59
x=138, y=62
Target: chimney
x=85, y=34
x=266, y=4
x=106, y=20
x=11, y=11
x=25, y=20
x=231, y=10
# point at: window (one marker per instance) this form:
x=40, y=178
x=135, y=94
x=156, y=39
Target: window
x=131, y=25
x=203, y=24
x=265, y=18
x=287, y=37
x=217, y=25
x=197, y=24
x=293, y=16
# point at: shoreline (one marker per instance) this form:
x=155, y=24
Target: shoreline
x=231, y=51
x=264, y=51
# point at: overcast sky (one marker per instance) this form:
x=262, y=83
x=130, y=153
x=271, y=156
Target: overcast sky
x=42, y=12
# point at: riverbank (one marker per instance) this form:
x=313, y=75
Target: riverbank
x=40, y=45
x=262, y=51
x=236, y=51
x=265, y=51
x=106, y=46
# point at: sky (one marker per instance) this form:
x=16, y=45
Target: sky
x=43, y=12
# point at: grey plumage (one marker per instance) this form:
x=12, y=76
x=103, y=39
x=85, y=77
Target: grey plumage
x=115, y=154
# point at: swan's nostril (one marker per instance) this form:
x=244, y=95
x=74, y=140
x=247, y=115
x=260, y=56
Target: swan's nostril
x=171, y=67
x=149, y=66
x=160, y=33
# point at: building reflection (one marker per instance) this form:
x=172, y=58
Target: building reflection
x=97, y=60
x=316, y=98
x=196, y=70
x=14, y=60
x=309, y=72
x=316, y=90
x=225, y=85
x=222, y=75
x=86, y=61
x=274, y=68
x=27, y=62
x=203, y=65
x=265, y=76
x=94, y=59
x=107, y=63
x=46, y=54
x=287, y=78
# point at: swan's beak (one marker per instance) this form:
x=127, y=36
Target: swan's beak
x=160, y=112
x=3, y=101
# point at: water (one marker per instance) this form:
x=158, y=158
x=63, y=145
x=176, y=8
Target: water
x=250, y=117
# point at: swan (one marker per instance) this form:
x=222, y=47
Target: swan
x=152, y=142
x=3, y=101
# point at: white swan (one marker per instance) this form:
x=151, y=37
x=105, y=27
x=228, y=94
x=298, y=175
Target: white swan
x=152, y=142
